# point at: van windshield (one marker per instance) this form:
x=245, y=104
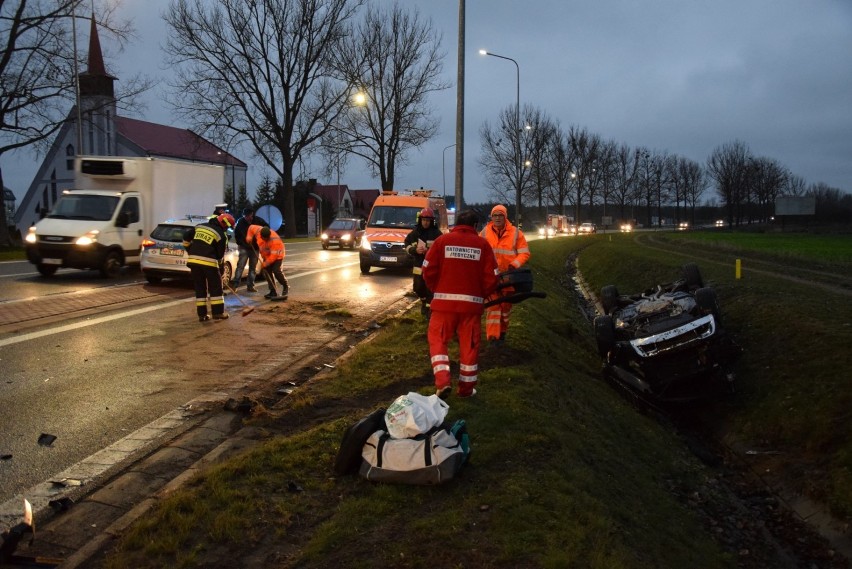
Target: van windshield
x=394, y=216
x=97, y=208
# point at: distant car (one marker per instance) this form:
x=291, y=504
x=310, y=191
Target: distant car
x=546, y=231
x=164, y=257
x=587, y=228
x=626, y=227
x=720, y=223
x=683, y=226
x=343, y=232
x=666, y=343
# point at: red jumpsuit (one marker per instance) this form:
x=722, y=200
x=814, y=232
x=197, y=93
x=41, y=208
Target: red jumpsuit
x=461, y=270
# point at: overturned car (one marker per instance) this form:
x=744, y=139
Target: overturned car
x=666, y=343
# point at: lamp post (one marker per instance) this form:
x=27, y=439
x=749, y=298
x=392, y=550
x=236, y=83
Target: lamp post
x=443, y=169
x=518, y=164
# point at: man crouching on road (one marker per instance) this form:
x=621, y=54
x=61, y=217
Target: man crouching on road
x=461, y=270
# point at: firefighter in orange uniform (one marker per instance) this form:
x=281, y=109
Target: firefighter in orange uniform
x=512, y=252
x=461, y=271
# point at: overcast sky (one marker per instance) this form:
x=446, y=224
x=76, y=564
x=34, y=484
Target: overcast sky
x=676, y=76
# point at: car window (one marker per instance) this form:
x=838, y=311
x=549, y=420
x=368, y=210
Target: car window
x=170, y=233
x=340, y=224
x=394, y=216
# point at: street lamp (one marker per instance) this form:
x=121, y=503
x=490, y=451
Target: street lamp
x=518, y=164
x=443, y=169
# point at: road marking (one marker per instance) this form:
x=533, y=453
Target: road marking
x=102, y=319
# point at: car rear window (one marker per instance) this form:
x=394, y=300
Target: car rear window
x=170, y=233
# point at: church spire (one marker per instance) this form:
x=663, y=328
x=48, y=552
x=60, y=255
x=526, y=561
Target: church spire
x=96, y=56
x=95, y=81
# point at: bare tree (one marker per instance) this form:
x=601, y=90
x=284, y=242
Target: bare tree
x=560, y=163
x=727, y=166
x=794, y=186
x=260, y=73
x=625, y=171
x=585, y=147
x=393, y=58
x=499, y=158
x=37, y=74
x=539, y=129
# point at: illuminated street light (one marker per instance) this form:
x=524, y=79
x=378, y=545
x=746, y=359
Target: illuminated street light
x=519, y=128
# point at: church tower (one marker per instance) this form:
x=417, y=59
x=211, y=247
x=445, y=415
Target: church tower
x=97, y=102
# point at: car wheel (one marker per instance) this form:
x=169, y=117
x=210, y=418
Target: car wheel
x=705, y=298
x=325, y=246
x=365, y=267
x=46, y=270
x=692, y=276
x=226, y=276
x=153, y=280
x=609, y=298
x=111, y=267
x=604, y=335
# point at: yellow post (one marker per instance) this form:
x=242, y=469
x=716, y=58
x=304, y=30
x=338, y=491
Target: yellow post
x=739, y=271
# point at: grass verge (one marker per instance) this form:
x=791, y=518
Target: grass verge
x=563, y=472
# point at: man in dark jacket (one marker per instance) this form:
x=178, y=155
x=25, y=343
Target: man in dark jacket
x=461, y=270
x=205, y=245
x=416, y=244
x=247, y=252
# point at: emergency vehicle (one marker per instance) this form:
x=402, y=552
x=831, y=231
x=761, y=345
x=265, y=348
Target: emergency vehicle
x=392, y=218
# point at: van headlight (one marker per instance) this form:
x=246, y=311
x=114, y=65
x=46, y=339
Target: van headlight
x=365, y=243
x=31, y=235
x=88, y=239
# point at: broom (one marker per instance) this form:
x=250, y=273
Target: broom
x=247, y=309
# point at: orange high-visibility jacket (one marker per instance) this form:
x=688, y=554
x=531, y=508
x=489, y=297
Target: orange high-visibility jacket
x=510, y=247
x=271, y=249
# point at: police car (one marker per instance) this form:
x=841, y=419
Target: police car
x=164, y=257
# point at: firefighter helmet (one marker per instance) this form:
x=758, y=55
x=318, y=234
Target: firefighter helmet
x=226, y=220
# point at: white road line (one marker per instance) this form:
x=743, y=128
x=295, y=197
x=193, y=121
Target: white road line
x=102, y=319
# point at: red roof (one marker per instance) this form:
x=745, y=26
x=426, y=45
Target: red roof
x=171, y=142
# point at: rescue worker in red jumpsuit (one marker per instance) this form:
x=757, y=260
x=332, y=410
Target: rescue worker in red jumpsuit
x=512, y=252
x=416, y=244
x=461, y=271
x=205, y=245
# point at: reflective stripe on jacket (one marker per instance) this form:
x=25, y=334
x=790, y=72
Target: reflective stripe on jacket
x=461, y=270
x=510, y=247
x=271, y=249
x=207, y=245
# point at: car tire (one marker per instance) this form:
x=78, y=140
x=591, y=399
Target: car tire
x=325, y=246
x=365, y=267
x=111, y=267
x=692, y=276
x=604, y=335
x=153, y=280
x=353, y=244
x=46, y=270
x=706, y=299
x=609, y=298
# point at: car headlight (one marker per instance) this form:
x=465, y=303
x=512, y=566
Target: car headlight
x=88, y=238
x=345, y=237
x=31, y=235
x=365, y=243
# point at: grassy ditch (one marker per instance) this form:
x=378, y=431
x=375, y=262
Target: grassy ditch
x=790, y=418
x=564, y=473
